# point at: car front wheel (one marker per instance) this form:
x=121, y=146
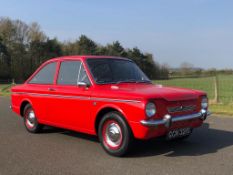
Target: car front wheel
x=114, y=134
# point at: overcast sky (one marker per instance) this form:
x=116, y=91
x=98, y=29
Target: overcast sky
x=175, y=31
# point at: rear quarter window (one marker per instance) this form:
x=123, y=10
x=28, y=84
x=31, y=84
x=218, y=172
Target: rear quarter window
x=45, y=75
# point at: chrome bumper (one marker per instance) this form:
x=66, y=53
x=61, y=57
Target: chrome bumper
x=168, y=119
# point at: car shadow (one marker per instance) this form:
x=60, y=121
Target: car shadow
x=50, y=129
x=204, y=140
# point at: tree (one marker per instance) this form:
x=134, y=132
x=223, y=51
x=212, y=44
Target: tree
x=40, y=51
x=186, y=68
x=115, y=49
x=136, y=55
x=35, y=33
x=7, y=31
x=23, y=47
x=4, y=61
x=86, y=46
x=82, y=46
x=17, y=37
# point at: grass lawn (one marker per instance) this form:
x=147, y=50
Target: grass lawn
x=221, y=109
x=206, y=84
x=5, y=89
x=226, y=89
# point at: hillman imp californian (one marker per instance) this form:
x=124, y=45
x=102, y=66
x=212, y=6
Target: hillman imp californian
x=109, y=97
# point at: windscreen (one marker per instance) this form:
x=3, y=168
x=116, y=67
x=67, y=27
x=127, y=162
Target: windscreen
x=108, y=70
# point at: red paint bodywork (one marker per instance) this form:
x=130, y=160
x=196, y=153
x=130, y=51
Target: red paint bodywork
x=77, y=107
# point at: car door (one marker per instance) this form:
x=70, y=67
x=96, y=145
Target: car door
x=70, y=107
x=38, y=89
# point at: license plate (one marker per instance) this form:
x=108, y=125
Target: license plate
x=178, y=133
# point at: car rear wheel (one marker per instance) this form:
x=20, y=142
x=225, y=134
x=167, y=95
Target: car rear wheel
x=30, y=120
x=114, y=134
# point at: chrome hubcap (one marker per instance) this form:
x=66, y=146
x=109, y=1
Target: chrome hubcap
x=31, y=119
x=113, y=135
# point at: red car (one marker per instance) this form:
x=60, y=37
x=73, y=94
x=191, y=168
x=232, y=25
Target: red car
x=109, y=97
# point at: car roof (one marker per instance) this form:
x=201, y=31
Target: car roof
x=84, y=57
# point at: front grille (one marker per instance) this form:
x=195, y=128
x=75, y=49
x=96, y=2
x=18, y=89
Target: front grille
x=181, y=108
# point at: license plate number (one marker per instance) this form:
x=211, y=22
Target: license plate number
x=178, y=133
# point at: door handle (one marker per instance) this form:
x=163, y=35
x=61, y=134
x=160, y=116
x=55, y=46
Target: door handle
x=51, y=89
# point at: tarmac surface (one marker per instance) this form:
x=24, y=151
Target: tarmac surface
x=56, y=151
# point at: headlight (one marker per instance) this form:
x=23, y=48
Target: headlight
x=150, y=109
x=204, y=103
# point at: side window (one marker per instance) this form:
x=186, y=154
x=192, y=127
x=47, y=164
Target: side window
x=45, y=75
x=68, y=74
x=72, y=72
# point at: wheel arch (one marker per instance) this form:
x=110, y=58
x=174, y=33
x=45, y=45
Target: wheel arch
x=106, y=109
x=23, y=104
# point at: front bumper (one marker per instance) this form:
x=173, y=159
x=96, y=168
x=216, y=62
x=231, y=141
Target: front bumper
x=168, y=119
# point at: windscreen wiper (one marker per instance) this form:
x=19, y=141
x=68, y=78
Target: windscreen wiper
x=144, y=81
x=127, y=81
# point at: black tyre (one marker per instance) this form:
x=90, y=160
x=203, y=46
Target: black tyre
x=30, y=120
x=114, y=134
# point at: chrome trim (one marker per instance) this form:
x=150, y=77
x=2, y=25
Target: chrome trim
x=113, y=135
x=168, y=119
x=53, y=95
x=31, y=119
x=81, y=83
x=114, y=100
x=78, y=97
x=181, y=108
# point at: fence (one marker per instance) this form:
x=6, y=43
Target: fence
x=219, y=88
